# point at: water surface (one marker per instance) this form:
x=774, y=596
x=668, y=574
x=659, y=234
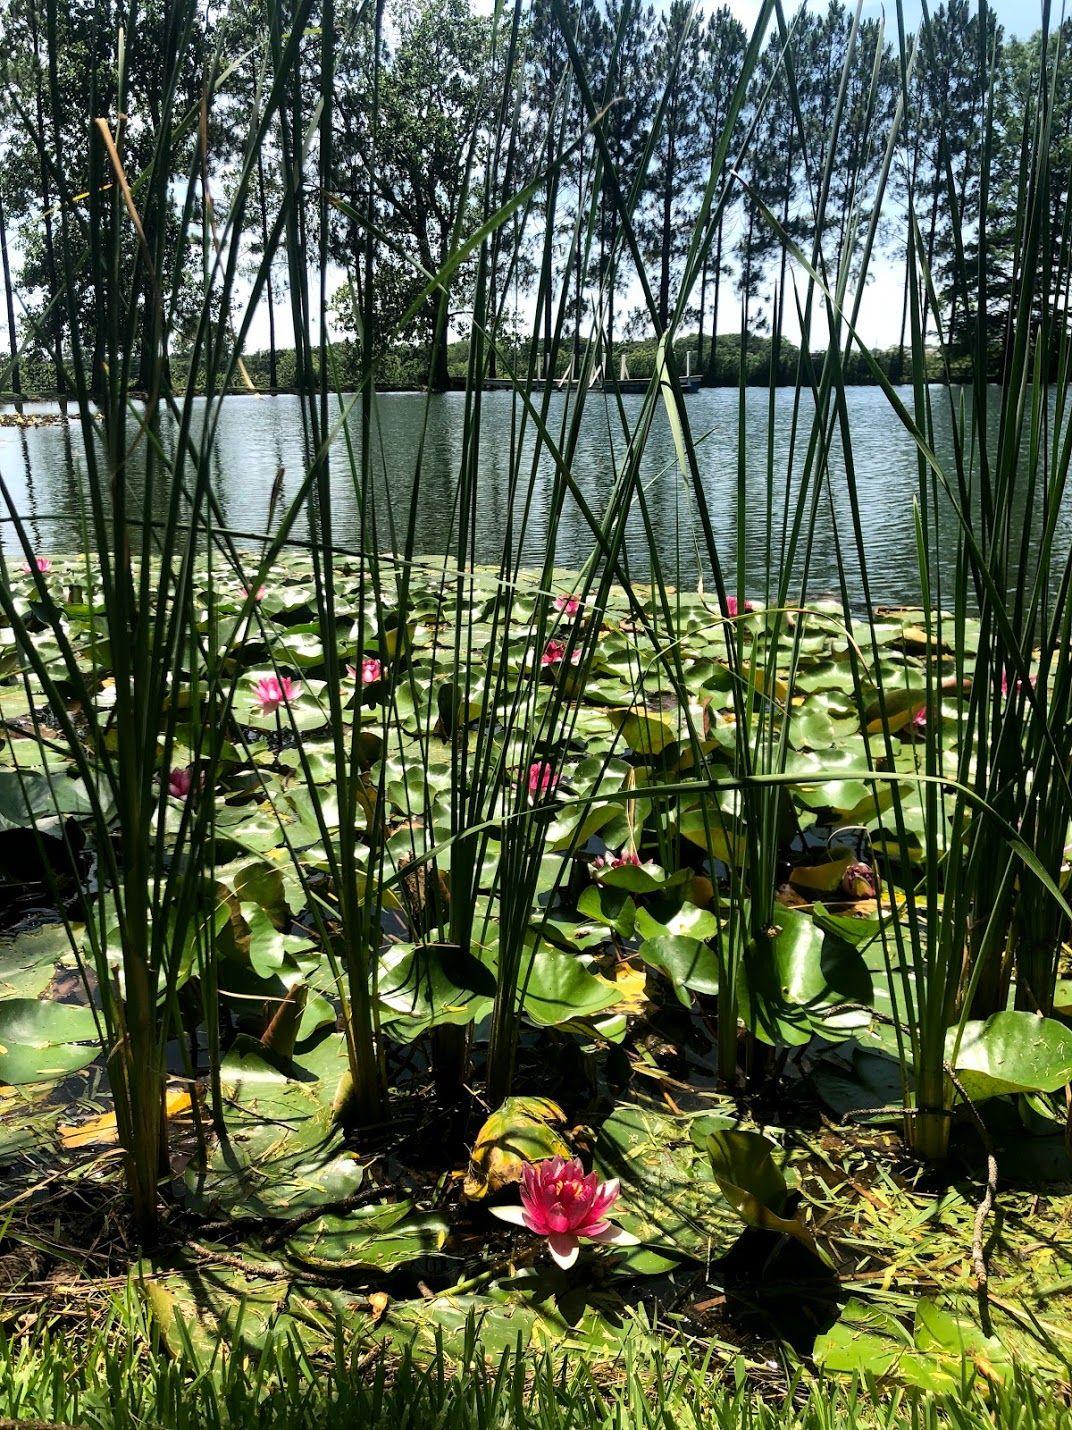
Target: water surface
x=44, y=469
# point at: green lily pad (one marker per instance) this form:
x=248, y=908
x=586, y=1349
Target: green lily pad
x=28, y=961
x=431, y=985
x=752, y=1182
x=556, y=988
x=792, y=978
x=941, y=1353
x=41, y=1040
x=379, y=1238
x=280, y=1152
x=670, y=1198
x=689, y=963
x=30, y=799
x=1012, y=1052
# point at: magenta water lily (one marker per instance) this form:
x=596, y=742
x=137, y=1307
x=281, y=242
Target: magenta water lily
x=561, y=1202
x=367, y=673
x=274, y=691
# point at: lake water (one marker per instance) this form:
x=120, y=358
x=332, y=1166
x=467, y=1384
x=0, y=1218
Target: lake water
x=44, y=470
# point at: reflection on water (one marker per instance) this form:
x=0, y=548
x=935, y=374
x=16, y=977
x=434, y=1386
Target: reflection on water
x=44, y=470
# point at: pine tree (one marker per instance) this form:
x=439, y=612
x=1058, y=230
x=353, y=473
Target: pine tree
x=677, y=161
x=724, y=43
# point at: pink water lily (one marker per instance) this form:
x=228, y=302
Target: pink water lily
x=859, y=881
x=733, y=608
x=40, y=563
x=542, y=778
x=1018, y=687
x=272, y=691
x=568, y=605
x=258, y=595
x=180, y=782
x=560, y=1202
x=629, y=859
x=554, y=653
x=371, y=671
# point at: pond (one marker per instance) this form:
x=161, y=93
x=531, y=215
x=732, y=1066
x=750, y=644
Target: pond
x=44, y=470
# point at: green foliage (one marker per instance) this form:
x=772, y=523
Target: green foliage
x=108, y=1380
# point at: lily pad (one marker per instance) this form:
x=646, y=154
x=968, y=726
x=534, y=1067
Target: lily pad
x=379, y=1238
x=522, y=1130
x=41, y=1040
x=670, y=1197
x=1012, y=1052
x=752, y=1182
x=280, y=1152
x=942, y=1351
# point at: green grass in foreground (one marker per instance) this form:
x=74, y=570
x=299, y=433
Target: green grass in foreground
x=118, y=1381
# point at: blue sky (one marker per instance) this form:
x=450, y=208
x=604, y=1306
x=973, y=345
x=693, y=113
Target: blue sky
x=883, y=297
x=1018, y=16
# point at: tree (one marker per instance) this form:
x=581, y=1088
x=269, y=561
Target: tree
x=59, y=186
x=1029, y=70
x=623, y=43
x=677, y=160
x=948, y=109
x=434, y=108
x=724, y=43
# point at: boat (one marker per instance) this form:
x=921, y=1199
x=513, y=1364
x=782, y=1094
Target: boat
x=688, y=381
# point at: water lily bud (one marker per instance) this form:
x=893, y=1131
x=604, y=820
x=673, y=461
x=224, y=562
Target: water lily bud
x=859, y=881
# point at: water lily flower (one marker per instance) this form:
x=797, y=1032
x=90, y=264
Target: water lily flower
x=919, y=719
x=559, y=1202
x=1018, y=687
x=40, y=563
x=272, y=691
x=180, y=782
x=629, y=859
x=554, y=653
x=258, y=595
x=734, y=609
x=568, y=605
x=859, y=881
x=371, y=671
x=542, y=778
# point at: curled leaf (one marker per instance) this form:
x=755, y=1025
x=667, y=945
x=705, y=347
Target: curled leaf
x=521, y=1130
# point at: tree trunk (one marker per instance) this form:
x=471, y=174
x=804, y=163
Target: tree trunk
x=55, y=322
x=578, y=280
x=664, y=266
x=9, y=302
x=714, y=314
x=703, y=304
x=548, y=277
x=273, y=372
x=437, y=365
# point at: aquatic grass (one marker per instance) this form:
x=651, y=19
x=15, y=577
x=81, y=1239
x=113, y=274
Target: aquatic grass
x=1009, y=697
x=467, y=867
x=117, y=1375
x=149, y=908
x=1008, y=756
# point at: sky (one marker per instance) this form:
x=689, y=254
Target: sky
x=882, y=303
x=1018, y=16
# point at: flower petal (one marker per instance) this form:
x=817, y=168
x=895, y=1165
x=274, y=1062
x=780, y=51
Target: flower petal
x=564, y=1249
x=514, y=1215
x=615, y=1236
x=604, y=1199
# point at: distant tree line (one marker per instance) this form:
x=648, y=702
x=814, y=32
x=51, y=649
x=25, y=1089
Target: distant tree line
x=465, y=110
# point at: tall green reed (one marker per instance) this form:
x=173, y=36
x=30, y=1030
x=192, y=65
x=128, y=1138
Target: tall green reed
x=149, y=532
x=976, y=832
x=980, y=916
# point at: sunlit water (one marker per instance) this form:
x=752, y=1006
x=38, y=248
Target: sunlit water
x=44, y=470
